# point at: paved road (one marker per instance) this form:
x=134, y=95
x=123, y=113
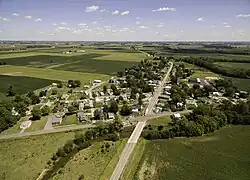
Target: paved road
x=128, y=149
x=76, y=127
x=157, y=93
x=63, y=129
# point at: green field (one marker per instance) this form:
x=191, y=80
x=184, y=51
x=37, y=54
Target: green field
x=50, y=74
x=234, y=65
x=220, y=155
x=107, y=62
x=242, y=84
x=24, y=159
x=21, y=84
x=92, y=163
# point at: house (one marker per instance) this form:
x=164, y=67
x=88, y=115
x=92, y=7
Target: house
x=14, y=112
x=81, y=106
x=194, y=80
x=217, y=94
x=54, y=84
x=177, y=115
x=167, y=88
x=111, y=116
x=179, y=104
x=25, y=124
x=57, y=119
x=81, y=116
x=81, y=51
x=243, y=94
x=135, y=110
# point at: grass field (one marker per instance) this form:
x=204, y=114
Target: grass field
x=92, y=163
x=200, y=72
x=234, y=65
x=21, y=84
x=25, y=158
x=160, y=120
x=50, y=74
x=220, y=155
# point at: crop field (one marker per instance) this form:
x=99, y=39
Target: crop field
x=242, y=84
x=97, y=66
x=93, y=162
x=234, y=65
x=50, y=74
x=22, y=84
x=24, y=159
x=220, y=155
x=96, y=62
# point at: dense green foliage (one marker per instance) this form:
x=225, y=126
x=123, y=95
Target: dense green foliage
x=204, y=119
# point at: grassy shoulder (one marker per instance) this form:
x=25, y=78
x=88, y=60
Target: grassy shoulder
x=25, y=158
x=134, y=160
x=220, y=155
x=95, y=162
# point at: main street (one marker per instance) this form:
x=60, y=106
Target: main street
x=157, y=93
x=128, y=149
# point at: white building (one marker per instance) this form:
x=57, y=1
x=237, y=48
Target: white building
x=25, y=124
x=177, y=115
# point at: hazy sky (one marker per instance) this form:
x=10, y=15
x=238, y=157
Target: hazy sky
x=125, y=20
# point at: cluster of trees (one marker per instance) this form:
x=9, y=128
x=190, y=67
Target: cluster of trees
x=180, y=72
x=204, y=119
x=2, y=63
x=83, y=140
x=74, y=83
x=20, y=104
x=225, y=71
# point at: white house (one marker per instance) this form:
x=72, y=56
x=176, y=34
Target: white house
x=25, y=124
x=177, y=115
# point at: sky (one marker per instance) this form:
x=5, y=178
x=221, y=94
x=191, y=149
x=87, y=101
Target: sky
x=125, y=20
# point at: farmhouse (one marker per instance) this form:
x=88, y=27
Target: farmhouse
x=111, y=115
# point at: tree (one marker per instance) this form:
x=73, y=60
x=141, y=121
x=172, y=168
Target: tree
x=54, y=92
x=10, y=91
x=77, y=83
x=36, y=113
x=34, y=99
x=72, y=109
x=126, y=110
x=61, y=153
x=45, y=110
x=113, y=107
x=59, y=84
x=208, y=89
x=105, y=89
x=68, y=147
x=42, y=93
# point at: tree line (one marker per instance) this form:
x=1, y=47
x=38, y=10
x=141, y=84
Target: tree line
x=204, y=119
x=209, y=64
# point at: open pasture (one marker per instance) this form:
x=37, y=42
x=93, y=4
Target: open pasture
x=25, y=159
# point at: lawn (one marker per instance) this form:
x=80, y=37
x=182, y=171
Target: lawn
x=160, y=121
x=70, y=120
x=38, y=124
x=92, y=163
x=50, y=74
x=21, y=84
x=24, y=159
x=220, y=155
